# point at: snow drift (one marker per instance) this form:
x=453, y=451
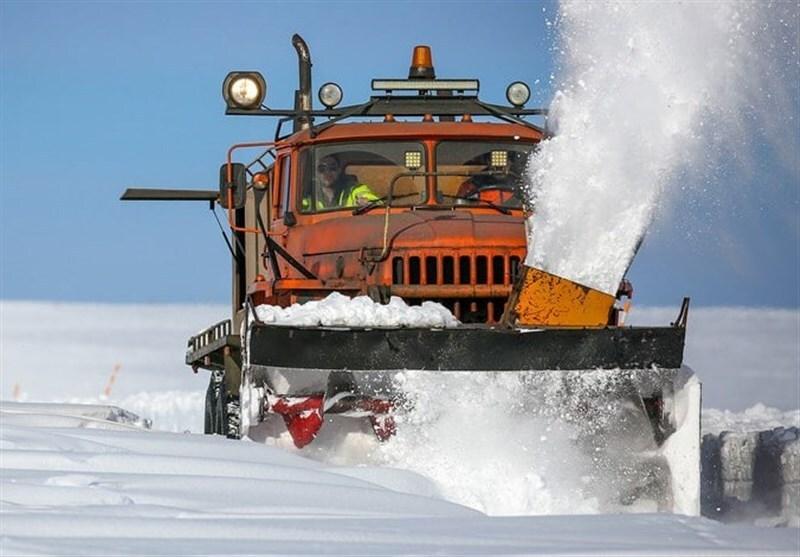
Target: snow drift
x=102, y=491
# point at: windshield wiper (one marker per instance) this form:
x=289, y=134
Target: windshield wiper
x=379, y=202
x=479, y=202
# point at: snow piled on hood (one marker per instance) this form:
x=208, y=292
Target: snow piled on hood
x=338, y=310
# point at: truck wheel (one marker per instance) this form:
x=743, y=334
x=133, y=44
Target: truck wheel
x=220, y=410
x=215, y=420
x=210, y=410
x=223, y=411
x=233, y=419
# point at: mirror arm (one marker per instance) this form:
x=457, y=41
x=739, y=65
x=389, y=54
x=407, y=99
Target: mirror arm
x=230, y=183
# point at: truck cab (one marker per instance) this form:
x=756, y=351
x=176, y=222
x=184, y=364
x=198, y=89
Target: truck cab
x=417, y=193
x=442, y=217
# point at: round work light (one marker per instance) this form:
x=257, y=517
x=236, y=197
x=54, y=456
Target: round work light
x=518, y=93
x=244, y=90
x=330, y=94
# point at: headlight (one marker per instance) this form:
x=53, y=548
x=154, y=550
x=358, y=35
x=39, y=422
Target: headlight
x=244, y=90
x=330, y=94
x=518, y=94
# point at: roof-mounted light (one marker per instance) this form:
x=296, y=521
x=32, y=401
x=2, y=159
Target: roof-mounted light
x=421, y=63
x=245, y=90
x=498, y=159
x=330, y=94
x=518, y=94
x=413, y=160
x=425, y=85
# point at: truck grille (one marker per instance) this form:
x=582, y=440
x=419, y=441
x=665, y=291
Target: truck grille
x=452, y=269
x=474, y=287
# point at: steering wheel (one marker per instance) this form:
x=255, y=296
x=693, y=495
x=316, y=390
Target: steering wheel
x=498, y=194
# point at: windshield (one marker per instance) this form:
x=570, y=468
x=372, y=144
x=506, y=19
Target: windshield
x=476, y=172
x=348, y=175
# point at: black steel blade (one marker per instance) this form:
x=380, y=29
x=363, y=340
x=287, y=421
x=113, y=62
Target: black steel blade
x=466, y=349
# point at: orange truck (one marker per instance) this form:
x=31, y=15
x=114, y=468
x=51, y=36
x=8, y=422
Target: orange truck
x=418, y=193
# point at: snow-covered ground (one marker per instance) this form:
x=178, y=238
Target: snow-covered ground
x=91, y=487
x=84, y=486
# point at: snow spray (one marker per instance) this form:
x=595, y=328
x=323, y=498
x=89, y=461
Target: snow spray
x=475, y=436
x=507, y=444
x=650, y=96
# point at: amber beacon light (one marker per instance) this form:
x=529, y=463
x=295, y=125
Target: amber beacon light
x=421, y=63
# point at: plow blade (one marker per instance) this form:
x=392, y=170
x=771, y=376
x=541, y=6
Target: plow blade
x=465, y=348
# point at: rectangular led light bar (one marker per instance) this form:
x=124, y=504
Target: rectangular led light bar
x=425, y=84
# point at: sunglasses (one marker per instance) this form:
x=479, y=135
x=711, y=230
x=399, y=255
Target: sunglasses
x=327, y=167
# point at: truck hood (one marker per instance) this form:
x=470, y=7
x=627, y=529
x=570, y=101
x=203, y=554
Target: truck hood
x=410, y=229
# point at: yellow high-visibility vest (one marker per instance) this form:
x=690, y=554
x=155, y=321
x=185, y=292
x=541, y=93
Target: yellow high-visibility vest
x=348, y=197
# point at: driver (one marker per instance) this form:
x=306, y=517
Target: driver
x=491, y=178
x=337, y=189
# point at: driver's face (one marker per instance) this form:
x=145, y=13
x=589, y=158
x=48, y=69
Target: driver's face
x=328, y=171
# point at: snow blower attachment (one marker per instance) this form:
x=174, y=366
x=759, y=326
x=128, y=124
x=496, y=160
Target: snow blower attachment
x=559, y=336
x=422, y=200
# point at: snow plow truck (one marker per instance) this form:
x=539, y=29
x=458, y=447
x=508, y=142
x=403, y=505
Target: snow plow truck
x=419, y=193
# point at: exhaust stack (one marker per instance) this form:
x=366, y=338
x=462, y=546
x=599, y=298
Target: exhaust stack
x=302, y=96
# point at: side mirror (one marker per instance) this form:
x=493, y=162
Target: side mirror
x=238, y=184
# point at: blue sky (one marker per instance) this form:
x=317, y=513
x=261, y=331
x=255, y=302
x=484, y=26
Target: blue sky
x=96, y=97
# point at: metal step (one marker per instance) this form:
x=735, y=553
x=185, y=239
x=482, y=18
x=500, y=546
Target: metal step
x=207, y=348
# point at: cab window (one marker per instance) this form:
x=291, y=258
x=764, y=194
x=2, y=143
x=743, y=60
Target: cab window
x=286, y=165
x=472, y=172
x=347, y=175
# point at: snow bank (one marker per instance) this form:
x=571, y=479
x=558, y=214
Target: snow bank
x=753, y=476
x=79, y=491
x=93, y=416
x=338, y=310
x=176, y=411
x=62, y=351
x=756, y=418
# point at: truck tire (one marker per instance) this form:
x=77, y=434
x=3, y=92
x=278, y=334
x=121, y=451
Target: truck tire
x=221, y=411
x=215, y=417
x=210, y=410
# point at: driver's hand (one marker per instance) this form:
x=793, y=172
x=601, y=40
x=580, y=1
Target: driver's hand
x=361, y=201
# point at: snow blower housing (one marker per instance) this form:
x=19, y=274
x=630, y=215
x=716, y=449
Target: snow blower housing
x=416, y=193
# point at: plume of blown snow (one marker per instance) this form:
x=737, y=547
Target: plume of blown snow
x=651, y=96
